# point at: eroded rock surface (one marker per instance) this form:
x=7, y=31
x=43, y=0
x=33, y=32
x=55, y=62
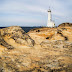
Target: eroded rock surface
x=59, y=33
x=17, y=35
x=50, y=56
x=65, y=25
x=40, y=50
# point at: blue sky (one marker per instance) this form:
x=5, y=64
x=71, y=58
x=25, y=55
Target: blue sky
x=34, y=12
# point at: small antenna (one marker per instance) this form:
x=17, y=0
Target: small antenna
x=49, y=7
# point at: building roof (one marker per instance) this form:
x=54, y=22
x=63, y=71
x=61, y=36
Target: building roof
x=49, y=10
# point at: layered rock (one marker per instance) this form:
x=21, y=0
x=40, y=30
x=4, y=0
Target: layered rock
x=41, y=34
x=52, y=51
x=56, y=44
x=65, y=25
x=49, y=56
x=17, y=35
x=5, y=44
x=60, y=33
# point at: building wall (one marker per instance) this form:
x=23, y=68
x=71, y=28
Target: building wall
x=51, y=24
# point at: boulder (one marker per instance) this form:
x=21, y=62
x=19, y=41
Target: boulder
x=17, y=34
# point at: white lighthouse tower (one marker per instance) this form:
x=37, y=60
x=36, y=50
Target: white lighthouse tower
x=50, y=23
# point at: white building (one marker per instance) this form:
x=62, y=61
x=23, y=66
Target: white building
x=50, y=23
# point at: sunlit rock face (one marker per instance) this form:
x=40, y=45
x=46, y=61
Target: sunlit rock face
x=65, y=25
x=46, y=33
x=39, y=50
x=16, y=35
x=56, y=44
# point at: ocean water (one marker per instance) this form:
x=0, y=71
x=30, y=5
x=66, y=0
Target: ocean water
x=26, y=29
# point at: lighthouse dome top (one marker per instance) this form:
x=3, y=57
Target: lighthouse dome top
x=49, y=10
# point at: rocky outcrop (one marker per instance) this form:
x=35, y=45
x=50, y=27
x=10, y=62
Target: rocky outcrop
x=40, y=50
x=41, y=34
x=65, y=25
x=17, y=34
x=60, y=33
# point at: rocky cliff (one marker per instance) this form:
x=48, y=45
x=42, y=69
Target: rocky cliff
x=39, y=50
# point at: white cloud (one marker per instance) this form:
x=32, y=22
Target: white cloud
x=19, y=19
x=15, y=7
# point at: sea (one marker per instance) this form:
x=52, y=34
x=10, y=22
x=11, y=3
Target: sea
x=26, y=29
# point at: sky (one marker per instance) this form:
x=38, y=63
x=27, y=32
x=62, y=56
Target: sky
x=34, y=12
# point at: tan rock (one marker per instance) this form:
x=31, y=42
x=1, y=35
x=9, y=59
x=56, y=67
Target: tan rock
x=16, y=35
x=52, y=52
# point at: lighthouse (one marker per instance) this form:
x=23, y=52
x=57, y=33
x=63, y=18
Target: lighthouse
x=50, y=23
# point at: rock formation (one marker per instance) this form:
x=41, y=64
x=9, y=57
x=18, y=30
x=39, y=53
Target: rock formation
x=39, y=50
x=59, y=33
x=17, y=35
x=65, y=25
